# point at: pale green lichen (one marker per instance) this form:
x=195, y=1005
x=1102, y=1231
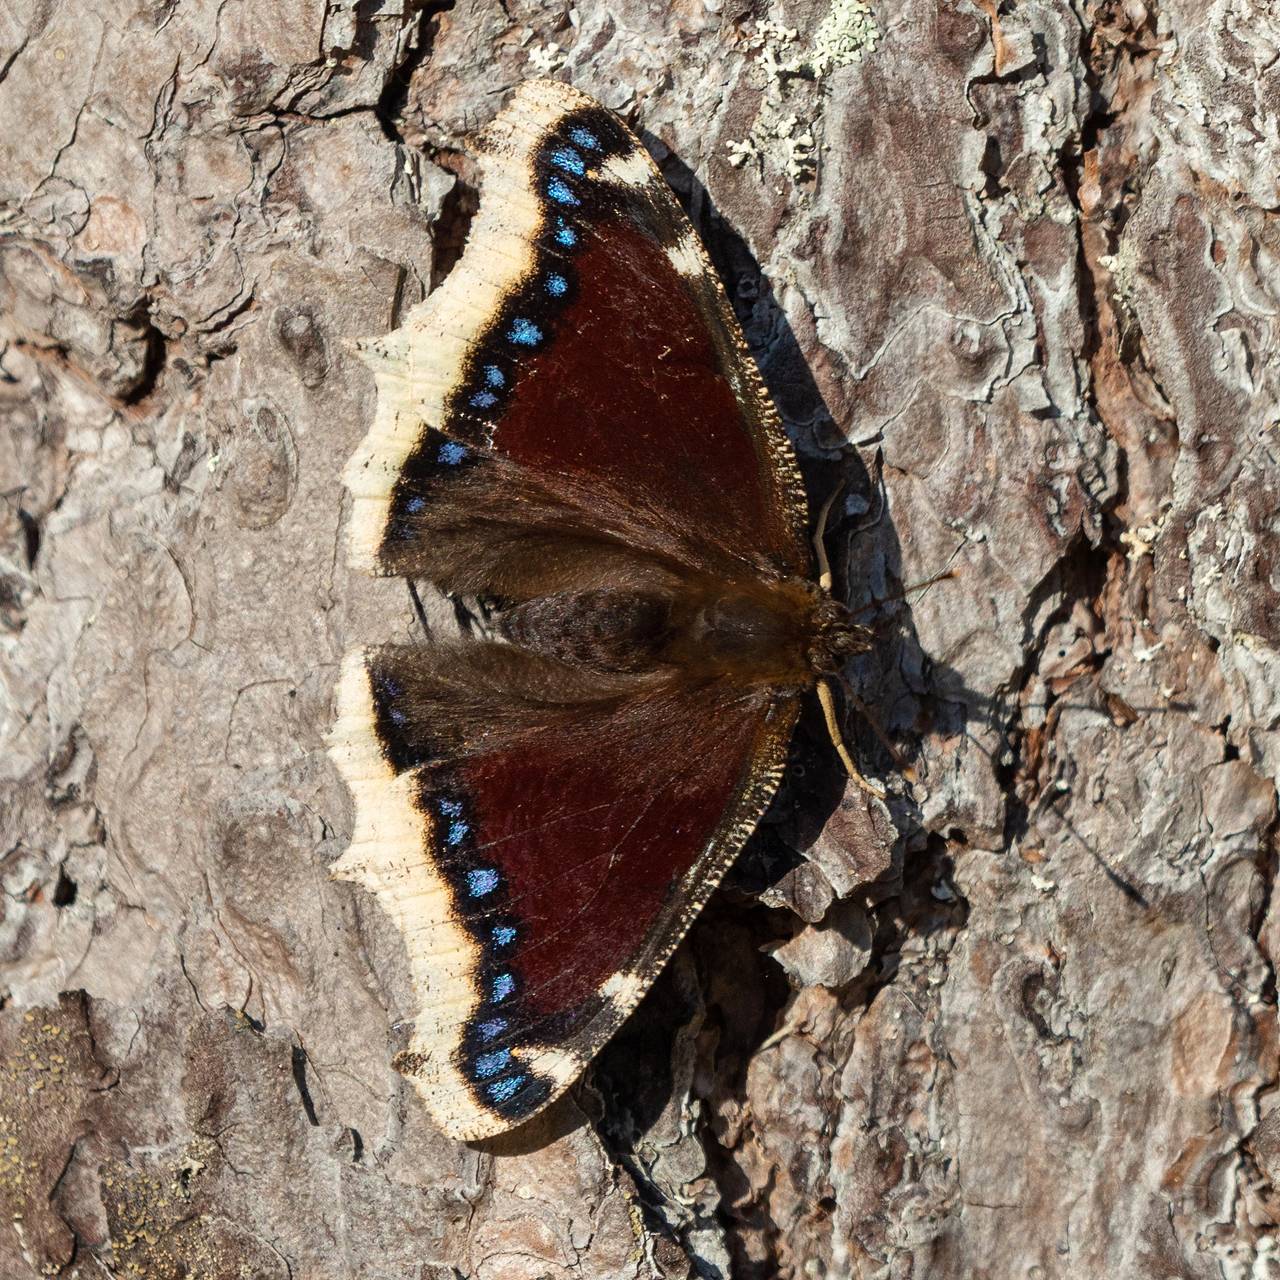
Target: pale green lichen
x=847, y=32
x=547, y=58
x=844, y=36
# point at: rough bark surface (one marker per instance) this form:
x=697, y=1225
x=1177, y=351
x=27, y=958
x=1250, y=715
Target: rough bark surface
x=1013, y=270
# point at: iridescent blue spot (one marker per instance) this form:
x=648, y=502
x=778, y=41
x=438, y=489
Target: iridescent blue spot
x=398, y=717
x=484, y=400
x=565, y=234
x=501, y=1090
x=569, y=160
x=457, y=832
x=451, y=808
x=585, y=138
x=480, y=882
x=489, y=1064
x=391, y=686
x=414, y=505
x=503, y=985
x=451, y=453
x=503, y=934
x=557, y=286
x=524, y=332
x=559, y=191
x=494, y=1027
x=493, y=376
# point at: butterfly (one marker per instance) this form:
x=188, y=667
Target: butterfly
x=571, y=427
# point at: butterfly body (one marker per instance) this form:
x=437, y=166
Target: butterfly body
x=781, y=637
x=571, y=428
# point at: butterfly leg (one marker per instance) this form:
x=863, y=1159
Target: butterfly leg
x=828, y=701
x=903, y=593
x=895, y=755
x=825, y=696
x=418, y=609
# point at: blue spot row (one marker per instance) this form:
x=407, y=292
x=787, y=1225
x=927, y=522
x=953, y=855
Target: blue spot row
x=451, y=453
x=482, y=882
x=492, y=1068
x=524, y=332
x=495, y=1069
x=389, y=688
x=501, y=1090
x=568, y=159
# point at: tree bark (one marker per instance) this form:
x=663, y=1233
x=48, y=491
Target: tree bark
x=1011, y=271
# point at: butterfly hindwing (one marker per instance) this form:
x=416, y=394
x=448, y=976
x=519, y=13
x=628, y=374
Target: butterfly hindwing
x=549, y=422
x=542, y=881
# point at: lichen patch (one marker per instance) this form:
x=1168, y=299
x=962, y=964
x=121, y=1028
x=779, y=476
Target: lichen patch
x=783, y=136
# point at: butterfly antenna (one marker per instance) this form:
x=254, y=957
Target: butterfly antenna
x=827, y=698
x=819, y=540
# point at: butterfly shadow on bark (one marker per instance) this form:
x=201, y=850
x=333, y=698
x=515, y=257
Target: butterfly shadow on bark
x=637, y=1072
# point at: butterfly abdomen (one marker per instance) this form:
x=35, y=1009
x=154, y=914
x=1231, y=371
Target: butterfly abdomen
x=603, y=630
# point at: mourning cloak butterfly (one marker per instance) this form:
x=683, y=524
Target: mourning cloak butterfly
x=572, y=427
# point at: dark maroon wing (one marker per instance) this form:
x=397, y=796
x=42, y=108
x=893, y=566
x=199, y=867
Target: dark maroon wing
x=583, y=334
x=540, y=886
x=582, y=343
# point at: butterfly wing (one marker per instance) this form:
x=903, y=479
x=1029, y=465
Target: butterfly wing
x=543, y=842
x=540, y=883
x=582, y=333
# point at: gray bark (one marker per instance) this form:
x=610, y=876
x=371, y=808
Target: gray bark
x=1021, y=261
